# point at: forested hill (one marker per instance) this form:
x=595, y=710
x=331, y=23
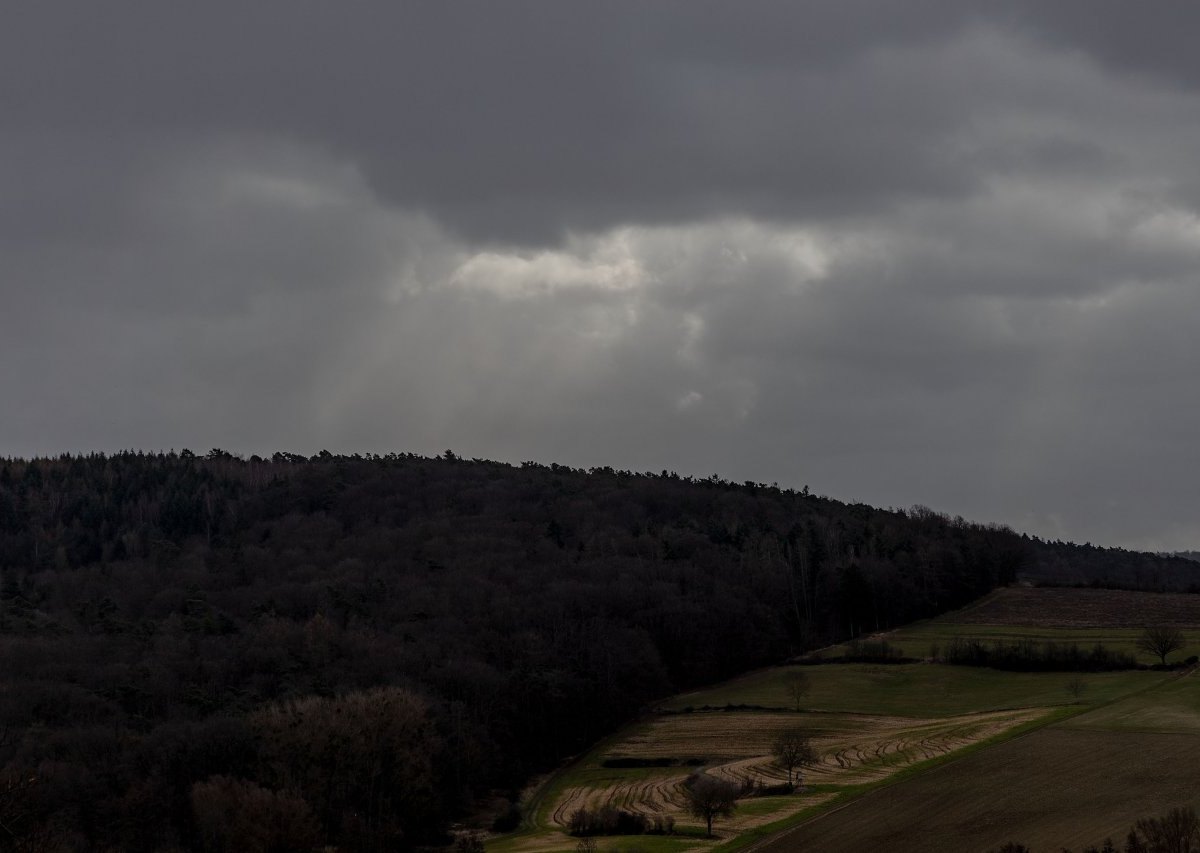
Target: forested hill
x=1058, y=563
x=193, y=648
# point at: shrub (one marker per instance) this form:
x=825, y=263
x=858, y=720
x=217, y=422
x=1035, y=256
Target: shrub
x=607, y=820
x=872, y=651
x=507, y=820
x=1032, y=656
x=639, y=762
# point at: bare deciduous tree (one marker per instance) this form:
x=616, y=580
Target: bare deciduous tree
x=1076, y=687
x=708, y=797
x=797, y=687
x=794, y=749
x=1160, y=640
x=1178, y=831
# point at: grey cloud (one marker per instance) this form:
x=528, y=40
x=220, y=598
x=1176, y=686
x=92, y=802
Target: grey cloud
x=522, y=120
x=930, y=252
x=514, y=120
x=1148, y=39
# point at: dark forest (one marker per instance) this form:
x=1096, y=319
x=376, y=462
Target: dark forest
x=216, y=653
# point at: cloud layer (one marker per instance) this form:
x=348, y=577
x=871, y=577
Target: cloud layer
x=930, y=253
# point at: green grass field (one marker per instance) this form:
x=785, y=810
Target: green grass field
x=1173, y=708
x=619, y=844
x=925, y=639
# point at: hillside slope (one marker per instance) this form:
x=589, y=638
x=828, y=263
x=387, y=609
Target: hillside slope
x=174, y=627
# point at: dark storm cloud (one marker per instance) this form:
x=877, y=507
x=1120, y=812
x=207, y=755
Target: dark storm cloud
x=1146, y=38
x=934, y=252
x=525, y=119
x=517, y=120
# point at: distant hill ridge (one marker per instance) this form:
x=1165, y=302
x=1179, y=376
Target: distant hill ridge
x=1068, y=564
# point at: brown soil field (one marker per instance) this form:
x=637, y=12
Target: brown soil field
x=1053, y=788
x=1080, y=608
x=854, y=748
x=663, y=797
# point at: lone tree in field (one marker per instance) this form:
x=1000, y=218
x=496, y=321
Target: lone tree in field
x=793, y=749
x=1076, y=687
x=797, y=687
x=1160, y=640
x=708, y=797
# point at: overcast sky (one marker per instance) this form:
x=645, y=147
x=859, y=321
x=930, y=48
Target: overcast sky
x=944, y=253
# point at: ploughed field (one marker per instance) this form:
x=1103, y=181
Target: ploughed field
x=1071, y=784
x=1080, y=608
x=910, y=751
x=1085, y=617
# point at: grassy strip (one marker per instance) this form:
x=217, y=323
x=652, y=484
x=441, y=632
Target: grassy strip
x=764, y=805
x=684, y=838
x=647, y=843
x=767, y=830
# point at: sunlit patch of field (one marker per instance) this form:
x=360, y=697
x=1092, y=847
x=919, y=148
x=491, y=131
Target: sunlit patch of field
x=853, y=749
x=846, y=741
x=663, y=798
x=556, y=842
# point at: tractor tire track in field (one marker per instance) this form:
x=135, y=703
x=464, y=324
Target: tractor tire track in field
x=853, y=749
